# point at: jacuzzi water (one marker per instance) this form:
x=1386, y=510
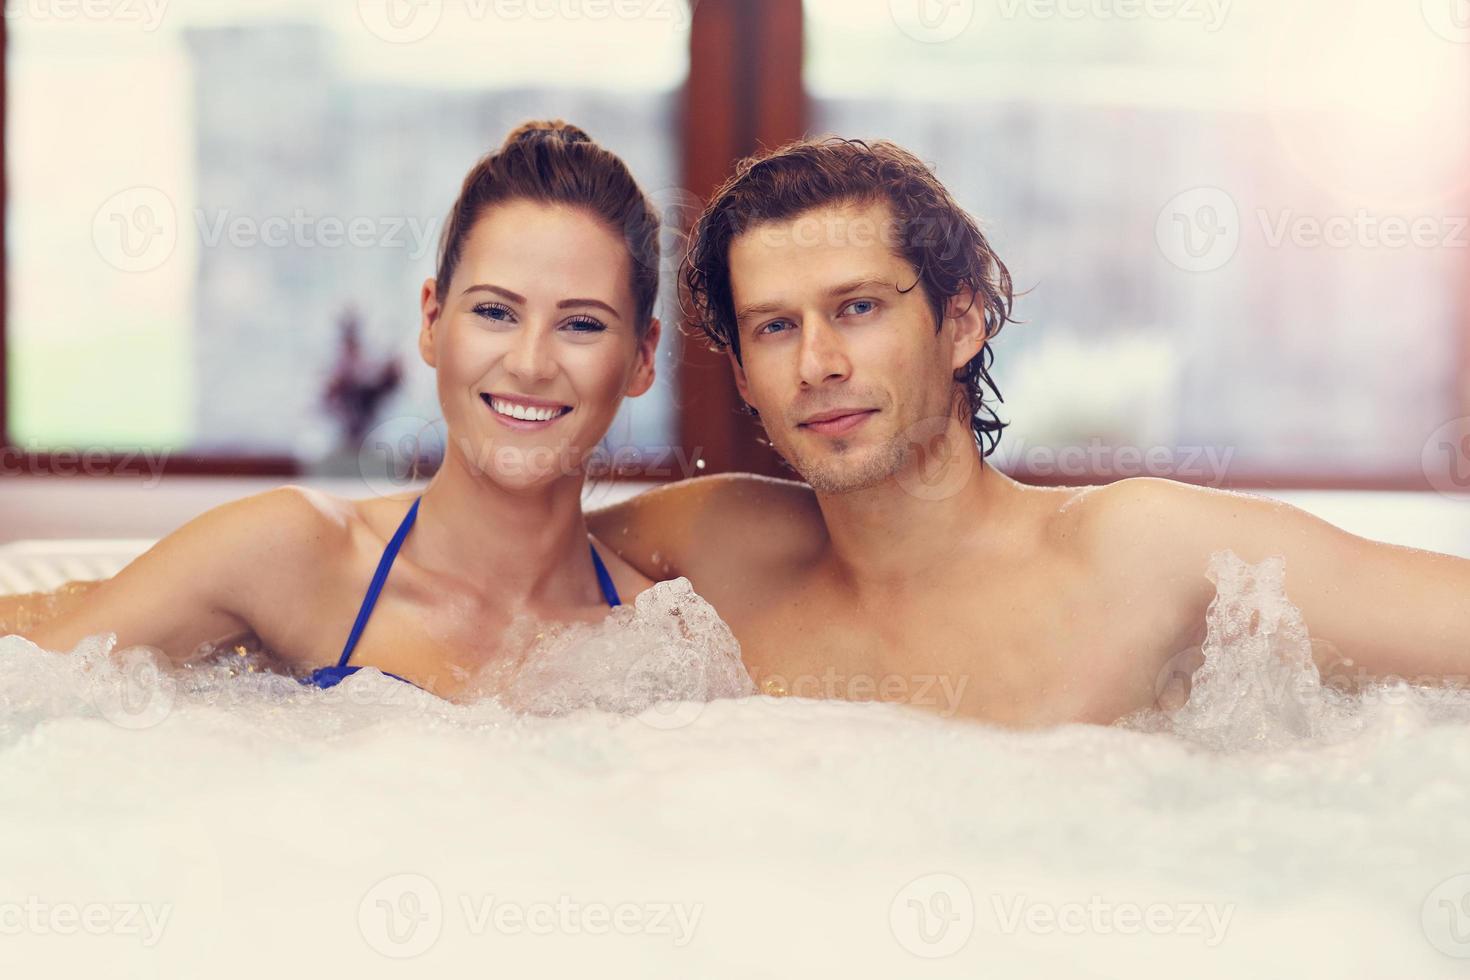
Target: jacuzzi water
x=216, y=821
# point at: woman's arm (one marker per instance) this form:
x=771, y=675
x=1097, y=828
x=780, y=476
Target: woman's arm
x=30, y=610
x=206, y=582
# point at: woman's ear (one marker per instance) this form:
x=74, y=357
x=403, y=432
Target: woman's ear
x=645, y=370
x=429, y=305
x=966, y=312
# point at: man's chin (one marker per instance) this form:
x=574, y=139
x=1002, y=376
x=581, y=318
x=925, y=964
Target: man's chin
x=847, y=471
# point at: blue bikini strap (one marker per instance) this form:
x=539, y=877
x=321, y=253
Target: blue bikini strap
x=379, y=577
x=609, y=591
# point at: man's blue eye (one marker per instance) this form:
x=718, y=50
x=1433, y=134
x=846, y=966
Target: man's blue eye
x=862, y=302
x=772, y=326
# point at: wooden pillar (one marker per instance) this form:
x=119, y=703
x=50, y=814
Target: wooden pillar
x=744, y=92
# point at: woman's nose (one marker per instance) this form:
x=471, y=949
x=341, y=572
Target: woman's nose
x=530, y=355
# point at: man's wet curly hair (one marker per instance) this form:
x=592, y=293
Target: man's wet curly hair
x=935, y=235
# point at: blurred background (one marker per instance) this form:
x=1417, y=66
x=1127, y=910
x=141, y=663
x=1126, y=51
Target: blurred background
x=1242, y=227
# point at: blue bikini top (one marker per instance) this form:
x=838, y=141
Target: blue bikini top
x=332, y=676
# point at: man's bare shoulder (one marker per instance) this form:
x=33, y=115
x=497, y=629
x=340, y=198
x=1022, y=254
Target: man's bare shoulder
x=679, y=528
x=1157, y=530
x=1144, y=508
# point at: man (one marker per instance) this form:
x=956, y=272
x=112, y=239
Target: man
x=856, y=302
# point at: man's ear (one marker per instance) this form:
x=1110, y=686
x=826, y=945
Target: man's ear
x=429, y=306
x=741, y=385
x=965, y=315
x=645, y=371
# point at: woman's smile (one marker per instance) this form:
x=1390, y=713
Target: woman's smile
x=521, y=413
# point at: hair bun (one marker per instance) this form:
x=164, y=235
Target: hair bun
x=539, y=129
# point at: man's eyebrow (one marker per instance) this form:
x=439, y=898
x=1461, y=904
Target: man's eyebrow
x=518, y=298
x=761, y=309
x=756, y=309
x=860, y=283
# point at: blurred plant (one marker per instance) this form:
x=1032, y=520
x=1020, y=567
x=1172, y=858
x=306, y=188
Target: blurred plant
x=358, y=386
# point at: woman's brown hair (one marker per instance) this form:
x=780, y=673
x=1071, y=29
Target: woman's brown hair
x=932, y=232
x=554, y=162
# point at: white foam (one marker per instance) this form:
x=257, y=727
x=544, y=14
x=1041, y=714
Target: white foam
x=289, y=829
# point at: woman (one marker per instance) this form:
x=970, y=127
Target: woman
x=538, y=323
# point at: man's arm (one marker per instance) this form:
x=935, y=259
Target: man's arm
x=1389, y=609
x=685, y=528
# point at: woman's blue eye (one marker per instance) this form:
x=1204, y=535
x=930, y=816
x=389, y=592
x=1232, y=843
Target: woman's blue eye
x=487, y=309
x=586, y=325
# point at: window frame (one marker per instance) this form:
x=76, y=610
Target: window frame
x=745, y=90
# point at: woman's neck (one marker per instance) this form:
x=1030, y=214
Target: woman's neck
x=529, y=547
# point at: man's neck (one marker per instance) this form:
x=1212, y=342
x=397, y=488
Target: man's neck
x=896, y=531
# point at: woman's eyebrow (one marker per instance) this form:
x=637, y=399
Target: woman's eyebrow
x=499, y=291
x=588, y=302
x=518, y=298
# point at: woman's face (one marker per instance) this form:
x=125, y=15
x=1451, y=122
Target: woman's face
x=536, y=342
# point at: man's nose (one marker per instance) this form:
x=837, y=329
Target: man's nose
x=823, y=353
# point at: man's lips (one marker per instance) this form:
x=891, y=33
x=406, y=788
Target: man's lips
x=838, y=420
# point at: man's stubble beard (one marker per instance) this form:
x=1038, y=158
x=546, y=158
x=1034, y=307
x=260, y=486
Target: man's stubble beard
x=837, y=472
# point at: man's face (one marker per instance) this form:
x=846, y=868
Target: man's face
x=844, y=368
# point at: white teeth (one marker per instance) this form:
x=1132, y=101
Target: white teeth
x=523, y=412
